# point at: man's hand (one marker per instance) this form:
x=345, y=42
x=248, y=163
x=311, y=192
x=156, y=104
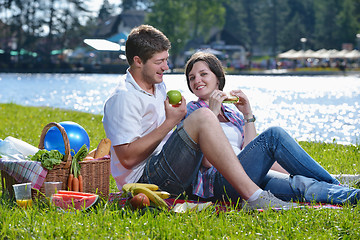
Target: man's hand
x=174, y=114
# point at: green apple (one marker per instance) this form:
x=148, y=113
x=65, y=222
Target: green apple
x=174, y=97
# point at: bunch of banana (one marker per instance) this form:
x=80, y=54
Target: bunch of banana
x=150, y=190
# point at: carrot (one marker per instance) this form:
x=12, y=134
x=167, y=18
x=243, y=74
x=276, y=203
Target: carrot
x=70, y=180
x=81, y=184
x=75, y=184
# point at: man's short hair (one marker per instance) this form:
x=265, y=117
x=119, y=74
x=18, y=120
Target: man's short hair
x=144, y=41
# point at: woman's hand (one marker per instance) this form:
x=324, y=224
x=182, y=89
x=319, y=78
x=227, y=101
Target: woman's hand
x=215, y=101
x=243, y=104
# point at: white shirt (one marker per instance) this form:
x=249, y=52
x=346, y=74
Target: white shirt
x=131, y=113
x=233, y=134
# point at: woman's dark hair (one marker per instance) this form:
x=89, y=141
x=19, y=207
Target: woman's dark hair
x=144, y=41
x=212, y=61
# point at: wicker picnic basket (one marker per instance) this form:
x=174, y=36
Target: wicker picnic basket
x=95, y=173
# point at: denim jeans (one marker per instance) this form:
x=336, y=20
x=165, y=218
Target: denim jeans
x=175, y=167
x=308, y=181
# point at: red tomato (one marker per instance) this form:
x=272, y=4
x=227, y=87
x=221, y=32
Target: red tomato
x=139, y=201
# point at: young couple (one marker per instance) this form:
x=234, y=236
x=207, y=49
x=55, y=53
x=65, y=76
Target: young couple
x=214, y=147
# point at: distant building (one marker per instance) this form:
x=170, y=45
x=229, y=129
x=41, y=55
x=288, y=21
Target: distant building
x=119, y=26
x=227, y=47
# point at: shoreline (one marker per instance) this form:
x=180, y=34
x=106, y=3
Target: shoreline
x=122, y=70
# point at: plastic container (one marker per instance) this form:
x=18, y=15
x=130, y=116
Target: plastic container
x=23, y=147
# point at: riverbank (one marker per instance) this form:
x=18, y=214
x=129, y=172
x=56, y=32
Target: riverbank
x=121, y=69
x=286, y=72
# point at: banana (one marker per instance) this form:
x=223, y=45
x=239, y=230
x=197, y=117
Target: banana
x=162, y=194
x=128, y=186
x=150, y=194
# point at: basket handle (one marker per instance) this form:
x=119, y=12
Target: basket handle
x=65, y=138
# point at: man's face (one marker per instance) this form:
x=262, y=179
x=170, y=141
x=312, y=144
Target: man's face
x=153, y=70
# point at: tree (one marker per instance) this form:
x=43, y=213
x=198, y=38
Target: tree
x=170, y=17
x=299, y=23
x=325, y=23
x=204, y=16
x=184, y=20
x=136, y=4
x=105, y=11
x=271, y=21
x=42, y=25
x=346, y=23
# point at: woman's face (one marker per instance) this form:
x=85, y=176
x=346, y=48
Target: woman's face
x=202, y=80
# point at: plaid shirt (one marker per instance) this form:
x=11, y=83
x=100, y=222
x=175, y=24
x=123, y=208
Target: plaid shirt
x=203, y=184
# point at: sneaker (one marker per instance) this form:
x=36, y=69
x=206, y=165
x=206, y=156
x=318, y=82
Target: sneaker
x=265, y=201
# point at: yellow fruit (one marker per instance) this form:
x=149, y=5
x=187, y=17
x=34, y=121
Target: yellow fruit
x=127, y=187
x=174, y=97
x=162, y=194
x=151, y=195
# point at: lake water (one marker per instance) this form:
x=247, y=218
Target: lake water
x=315, y=108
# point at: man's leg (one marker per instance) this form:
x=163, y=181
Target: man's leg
x=204, y=128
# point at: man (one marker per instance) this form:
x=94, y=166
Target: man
x=140, y=122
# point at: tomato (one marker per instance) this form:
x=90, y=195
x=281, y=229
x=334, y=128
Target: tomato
x=174, y=97
x=139, y=201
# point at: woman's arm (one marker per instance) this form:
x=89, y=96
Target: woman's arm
x=243, y=105
x=249, y=130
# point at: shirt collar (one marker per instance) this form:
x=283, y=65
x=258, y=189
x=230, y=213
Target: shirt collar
x=204, y=104
x=129, y=78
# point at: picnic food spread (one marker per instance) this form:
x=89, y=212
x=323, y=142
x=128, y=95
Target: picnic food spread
x=152, y=192
x=50, y=165
x=77, y=200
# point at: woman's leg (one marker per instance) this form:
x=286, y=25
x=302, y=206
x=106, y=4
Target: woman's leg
x=275, y=144
x=258, y=156
x=304, y=189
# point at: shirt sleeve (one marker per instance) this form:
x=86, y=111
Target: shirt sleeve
x=191, y=107
x=122, y=118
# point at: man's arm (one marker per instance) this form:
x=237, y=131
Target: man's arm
x=132, y=154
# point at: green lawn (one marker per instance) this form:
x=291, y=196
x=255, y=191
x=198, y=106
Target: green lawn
x=111, y=222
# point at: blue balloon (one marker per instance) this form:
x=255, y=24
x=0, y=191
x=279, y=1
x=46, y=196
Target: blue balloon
x=77, y=138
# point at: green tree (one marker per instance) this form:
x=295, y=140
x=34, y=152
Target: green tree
x=184, y=20
x=299, y=23
x=204, y=16
x=236, y=20
x=169, y=16
x=346, y=24
x=271, y=22
x=326, y=29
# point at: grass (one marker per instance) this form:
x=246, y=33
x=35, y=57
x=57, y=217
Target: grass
x=111, y=222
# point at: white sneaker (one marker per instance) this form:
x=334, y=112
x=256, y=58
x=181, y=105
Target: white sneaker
x=267, y=200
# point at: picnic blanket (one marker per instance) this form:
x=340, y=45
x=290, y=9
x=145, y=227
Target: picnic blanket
x=24, y=171
x=181, y=205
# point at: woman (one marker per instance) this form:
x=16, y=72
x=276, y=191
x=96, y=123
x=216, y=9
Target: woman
x=273, y=160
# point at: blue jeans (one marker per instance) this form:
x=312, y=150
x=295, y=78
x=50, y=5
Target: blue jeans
x=308, y=181
x=176, y=166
